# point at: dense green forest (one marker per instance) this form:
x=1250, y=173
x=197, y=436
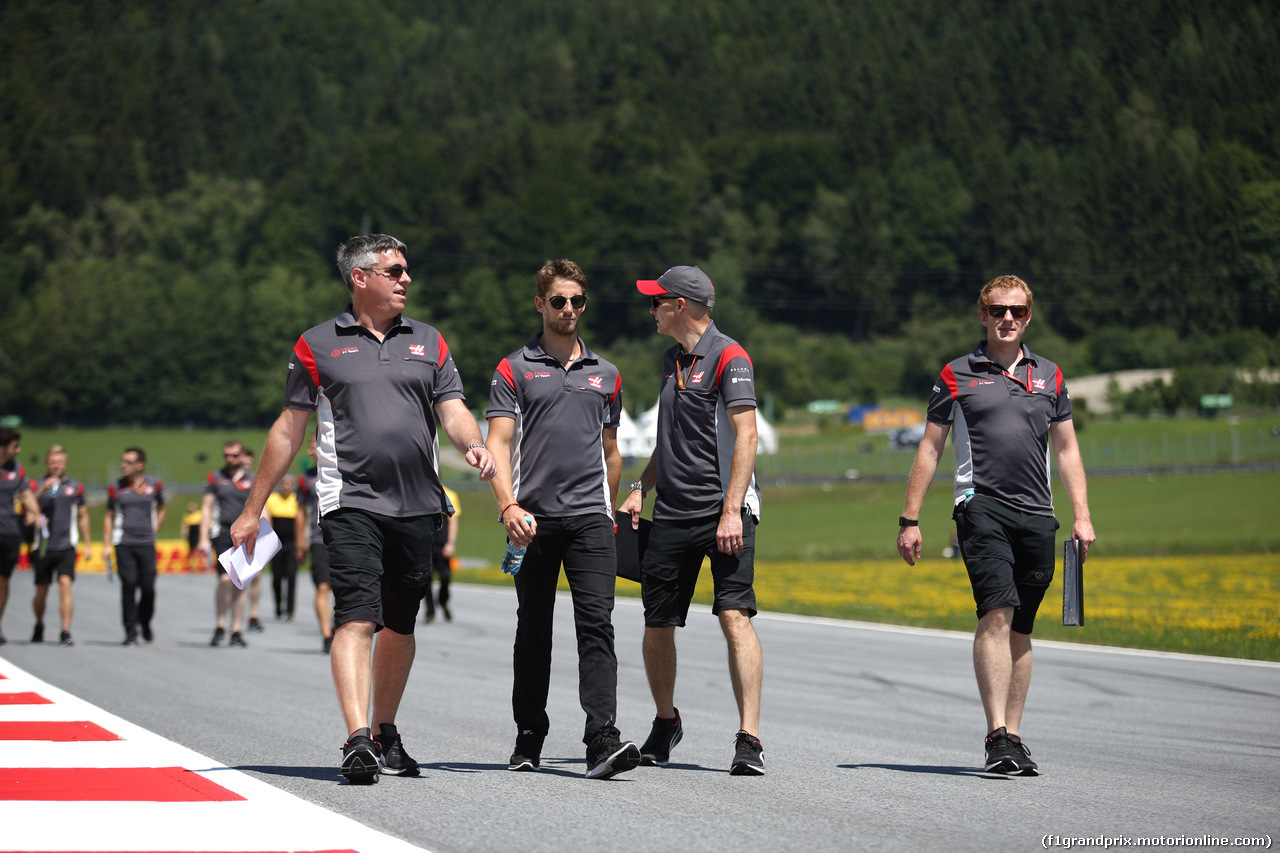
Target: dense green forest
x=175, y=176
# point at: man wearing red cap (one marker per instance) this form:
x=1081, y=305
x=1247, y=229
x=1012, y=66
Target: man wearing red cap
x=707, y=505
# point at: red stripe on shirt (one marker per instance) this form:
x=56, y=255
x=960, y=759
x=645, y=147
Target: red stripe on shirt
x=303, y=351
x=617, y=387
x=949, y=379
x=730, y=353
x=504, y=369
x=444, y=351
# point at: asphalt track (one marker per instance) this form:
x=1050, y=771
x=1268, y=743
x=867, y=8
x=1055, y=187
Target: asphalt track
x=872, y=734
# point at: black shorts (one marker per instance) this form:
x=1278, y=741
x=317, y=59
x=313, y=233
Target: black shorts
x=10, y=547
x=62, y=561
x=219, y=544
x=673, y=559
x=1009, y=556
x=319, y=564
x=379, y=566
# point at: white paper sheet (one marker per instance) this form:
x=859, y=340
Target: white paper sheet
x=239, y=567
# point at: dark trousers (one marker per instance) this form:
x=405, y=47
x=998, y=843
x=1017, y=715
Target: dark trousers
x=136, y=565
x=584, y=545
x=284, y=572
x=440, y=568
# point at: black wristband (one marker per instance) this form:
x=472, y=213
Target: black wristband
x=903, y=521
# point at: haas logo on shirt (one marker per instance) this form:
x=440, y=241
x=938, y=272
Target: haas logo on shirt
x=696, y=378
x=1038, y=383
x=595, y=381
x=417, y=349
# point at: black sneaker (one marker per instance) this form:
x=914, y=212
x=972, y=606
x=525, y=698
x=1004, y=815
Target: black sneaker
x=391, y=754
x=328, y=644
x=527, y=756
x=607, y=755
x=748, y=756
x=360, y=759
x=448, y=614
x=66, y=640
x=130, y=640
x=255, y=626
x=147, y=636
x=218, y=635
x=1022, y=756
x=237, y=640
x=37, y=635
x=662, y=739
x=2, y=640
x=1002, y=756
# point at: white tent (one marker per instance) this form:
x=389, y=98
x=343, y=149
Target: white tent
x=646, y=424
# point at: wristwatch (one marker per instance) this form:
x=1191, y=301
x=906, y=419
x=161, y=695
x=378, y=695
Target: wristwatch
x=903, y=521
x=644, y=493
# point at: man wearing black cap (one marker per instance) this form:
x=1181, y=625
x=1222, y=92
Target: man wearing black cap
x=707, y=505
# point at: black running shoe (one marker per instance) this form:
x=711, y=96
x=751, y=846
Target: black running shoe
x=254, y=625
x=360, y=759
x=748, y=756
x=328, y=644
x=662, y=739
x=218, y=635
x=66, y=640
x=608, y=755
x=130, y=640
x=391, y=754
x=527, y=756
x=448, y=614
x=237, y=640
x=147, y=636
x=1002, y=756
x=1022, y=755
x=37, y=635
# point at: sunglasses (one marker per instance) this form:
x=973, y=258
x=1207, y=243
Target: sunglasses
x=657, y=300
x=557, y=302
x=1018, y=311
x=394, y=271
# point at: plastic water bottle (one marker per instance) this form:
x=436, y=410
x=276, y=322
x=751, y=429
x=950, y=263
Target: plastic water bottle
x=515, y=556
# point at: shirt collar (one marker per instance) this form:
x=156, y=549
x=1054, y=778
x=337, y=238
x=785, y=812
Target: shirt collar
x=534, y=351
x=979, y=355
x=347, y=320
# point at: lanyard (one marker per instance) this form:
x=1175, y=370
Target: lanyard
x=681, y=380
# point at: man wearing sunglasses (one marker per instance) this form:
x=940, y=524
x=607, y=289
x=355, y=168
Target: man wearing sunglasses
x=224, y=497
x=1006, y=404
x=707, y=505
x=554, y=409
x=377, y=381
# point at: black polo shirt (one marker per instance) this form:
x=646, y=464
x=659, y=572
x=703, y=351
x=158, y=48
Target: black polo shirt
x=13, y=479
x=61, y=509
x=229, y=496
x=695, y=440
x=376, y=447
x=1001, y=426
x=135, y=510
x=557, y=454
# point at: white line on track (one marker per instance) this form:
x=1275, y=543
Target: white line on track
x=266, y=819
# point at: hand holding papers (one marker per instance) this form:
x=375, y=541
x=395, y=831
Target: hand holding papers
x=240, y=568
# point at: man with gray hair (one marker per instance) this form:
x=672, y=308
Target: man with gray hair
x=376, y=381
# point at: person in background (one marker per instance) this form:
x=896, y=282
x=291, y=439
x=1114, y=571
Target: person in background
x=15, y=491
x=224, y=497
x=309, y=541
x=443, y=549
x=65, y=521
x=1006, y=404
x=282, y=506
x=190, y=532
x=135, y=512
x=255, y=585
